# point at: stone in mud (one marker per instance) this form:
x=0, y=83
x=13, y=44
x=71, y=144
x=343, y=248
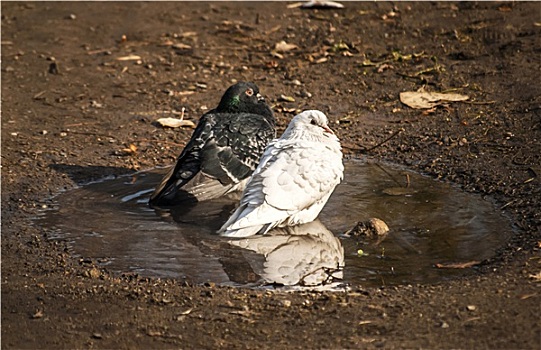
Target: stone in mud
x=371, y=228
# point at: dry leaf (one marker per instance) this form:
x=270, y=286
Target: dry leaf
x=277, y=55
x=536, y=277
x=425, y=100
x=175, y=123
x=132, y=149
x=38, y=314
x=184, y=93
x=181, y=46
x=287, y=98
x=282, y=46
x=129, y=58
x=188, y=34
x=152, y=333
x=322, y=4
x=294, y=5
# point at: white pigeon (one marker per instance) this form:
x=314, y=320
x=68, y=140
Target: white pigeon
x=294, y=179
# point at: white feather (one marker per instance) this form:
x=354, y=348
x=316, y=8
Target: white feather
x=293, y=181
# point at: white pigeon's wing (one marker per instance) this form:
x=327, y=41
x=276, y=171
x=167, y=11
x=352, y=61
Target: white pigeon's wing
x=300, y=175
x=291, y=177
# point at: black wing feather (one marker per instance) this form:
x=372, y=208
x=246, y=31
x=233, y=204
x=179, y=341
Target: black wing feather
x=188, y=163
x=224, y=150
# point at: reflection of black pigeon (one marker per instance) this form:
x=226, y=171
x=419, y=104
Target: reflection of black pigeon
x=224, y=149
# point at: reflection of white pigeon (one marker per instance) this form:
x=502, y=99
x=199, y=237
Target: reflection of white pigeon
x=306, y=255
x=293, y=181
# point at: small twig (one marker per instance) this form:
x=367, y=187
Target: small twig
x=80, y=124
x=479, y=103
x=165, y=142
x=93, y=52
x=159, y=112
x=509, y=203
x=387, y=139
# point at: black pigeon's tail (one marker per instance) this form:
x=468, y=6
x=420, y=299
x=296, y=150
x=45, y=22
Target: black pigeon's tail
x=168, y=193
x=201, y=187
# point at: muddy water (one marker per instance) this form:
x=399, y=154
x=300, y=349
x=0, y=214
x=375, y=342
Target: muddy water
x=430, y=223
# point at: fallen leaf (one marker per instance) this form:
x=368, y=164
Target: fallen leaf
x=527, y=296
x=181, y=46
x=175, y=123
x=340, y=47
x=282, y=46
x=369, y=63
x=151, y=333
x=294, y=5
x=425, y=100
x=287, y=98
x=321, y=4
x=397, y=56
x=187, y=312
x=132, y=149
x=536, y=277
x=271, y=64
x=458, y=265
x=188, y=34
x=384, y=67
x=129, y=58
x=38, y=314
x=184, y=93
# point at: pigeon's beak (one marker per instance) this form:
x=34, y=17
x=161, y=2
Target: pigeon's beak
x=260, y=97
x=327, y=129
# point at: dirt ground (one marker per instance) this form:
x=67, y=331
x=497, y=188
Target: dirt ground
x=74, y=98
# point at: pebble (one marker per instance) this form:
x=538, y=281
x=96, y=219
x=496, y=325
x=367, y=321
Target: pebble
x=305, y=94
x=286, y=303
x=287, y=98
x=373, y=227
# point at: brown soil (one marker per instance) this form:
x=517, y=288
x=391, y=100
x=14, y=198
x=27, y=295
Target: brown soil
x=70, y=107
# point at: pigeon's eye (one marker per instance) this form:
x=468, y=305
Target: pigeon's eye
x=313, y=122
x=249, y=92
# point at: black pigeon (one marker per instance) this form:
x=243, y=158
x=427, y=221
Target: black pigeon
x=224, y=149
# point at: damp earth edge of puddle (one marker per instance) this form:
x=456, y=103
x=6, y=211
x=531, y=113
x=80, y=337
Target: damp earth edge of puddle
x=431, y=222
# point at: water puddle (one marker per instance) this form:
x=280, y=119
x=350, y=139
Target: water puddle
x=430, y=223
